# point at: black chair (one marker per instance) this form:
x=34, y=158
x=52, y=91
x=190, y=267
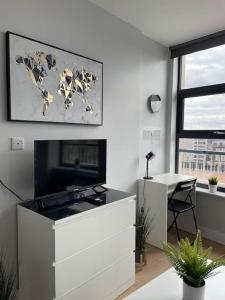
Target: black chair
x=178, y=207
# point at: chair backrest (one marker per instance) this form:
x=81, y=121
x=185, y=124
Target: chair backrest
x=186, y=185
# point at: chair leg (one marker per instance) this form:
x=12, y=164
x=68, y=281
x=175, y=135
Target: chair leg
x=196, y=226
x=175, y=221
x=171, y=225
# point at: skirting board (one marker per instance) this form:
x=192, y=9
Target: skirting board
x=213, y=235
x=208, y=233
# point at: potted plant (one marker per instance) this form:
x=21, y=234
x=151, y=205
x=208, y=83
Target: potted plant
x=143, y=228
x=213, y=182
x=192, y=264
x=8, y=290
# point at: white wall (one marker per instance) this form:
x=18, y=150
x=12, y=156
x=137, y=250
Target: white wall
x=210, y=214
x=153, y=81
x=134, y=67
x=171, y=115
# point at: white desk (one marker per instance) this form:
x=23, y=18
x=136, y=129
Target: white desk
x=168, y=286
x=154, y=193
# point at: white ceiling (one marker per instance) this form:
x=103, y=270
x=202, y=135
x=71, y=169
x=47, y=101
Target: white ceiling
x=169, y=22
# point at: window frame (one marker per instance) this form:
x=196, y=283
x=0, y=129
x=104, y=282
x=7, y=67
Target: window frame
x=194, y=134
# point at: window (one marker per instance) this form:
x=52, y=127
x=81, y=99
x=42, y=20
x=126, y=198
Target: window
x=205, y=112
x=201, y=115
x=202, y=157
x=204, y=67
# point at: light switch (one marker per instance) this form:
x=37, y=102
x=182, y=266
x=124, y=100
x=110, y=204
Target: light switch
x=151, y=133
x=156, y=134
x=147, y=134
x=17, y=143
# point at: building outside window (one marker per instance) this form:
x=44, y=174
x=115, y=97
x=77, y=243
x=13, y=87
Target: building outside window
x=201, y=115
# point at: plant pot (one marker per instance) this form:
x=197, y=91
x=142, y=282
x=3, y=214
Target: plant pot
x=212, y=188
x=140, y=257
x=193, y=293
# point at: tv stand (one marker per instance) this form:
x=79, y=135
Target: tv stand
x=59, y=248
x=104, y=189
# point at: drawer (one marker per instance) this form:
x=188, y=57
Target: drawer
x=80, y=268
x=106, y=284
x=84, y=231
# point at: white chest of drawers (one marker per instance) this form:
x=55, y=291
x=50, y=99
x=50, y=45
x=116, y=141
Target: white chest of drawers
x=87, y=256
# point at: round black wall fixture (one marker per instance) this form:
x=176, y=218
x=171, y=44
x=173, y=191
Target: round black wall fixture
x=154, y=103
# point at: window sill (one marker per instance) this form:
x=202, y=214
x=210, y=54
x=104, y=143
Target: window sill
x=206, y=191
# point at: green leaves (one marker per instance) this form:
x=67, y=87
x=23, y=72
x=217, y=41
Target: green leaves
x=143, y=227
x=192, y=262
x=213, y=180
x=7, y=281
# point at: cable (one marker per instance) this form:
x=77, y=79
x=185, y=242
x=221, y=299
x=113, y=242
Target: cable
x=143, y=191
x=11, y=191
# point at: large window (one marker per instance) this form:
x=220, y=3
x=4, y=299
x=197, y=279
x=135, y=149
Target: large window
x=204, y=67
x=204, y=112
x=201, y=115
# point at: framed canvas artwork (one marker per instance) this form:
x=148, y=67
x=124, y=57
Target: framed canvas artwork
x=49, y=84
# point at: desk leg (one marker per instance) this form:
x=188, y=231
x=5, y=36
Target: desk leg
x=155, y=195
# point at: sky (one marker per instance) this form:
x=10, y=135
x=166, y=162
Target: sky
x=205, y=68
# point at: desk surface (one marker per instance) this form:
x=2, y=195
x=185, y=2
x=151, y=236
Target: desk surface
x=168, y=286
x=170, y=178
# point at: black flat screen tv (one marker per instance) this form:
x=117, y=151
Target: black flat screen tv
x=68, y=165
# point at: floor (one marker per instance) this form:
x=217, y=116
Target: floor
x=157, y=262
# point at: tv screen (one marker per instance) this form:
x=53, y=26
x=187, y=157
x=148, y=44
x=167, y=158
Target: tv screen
x=66, y=165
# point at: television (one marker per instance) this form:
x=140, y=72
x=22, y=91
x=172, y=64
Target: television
x=68, y=165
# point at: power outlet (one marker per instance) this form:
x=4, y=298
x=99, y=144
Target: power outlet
x=17, y=143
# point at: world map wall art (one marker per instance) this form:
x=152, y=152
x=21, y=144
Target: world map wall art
x=49, y=84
